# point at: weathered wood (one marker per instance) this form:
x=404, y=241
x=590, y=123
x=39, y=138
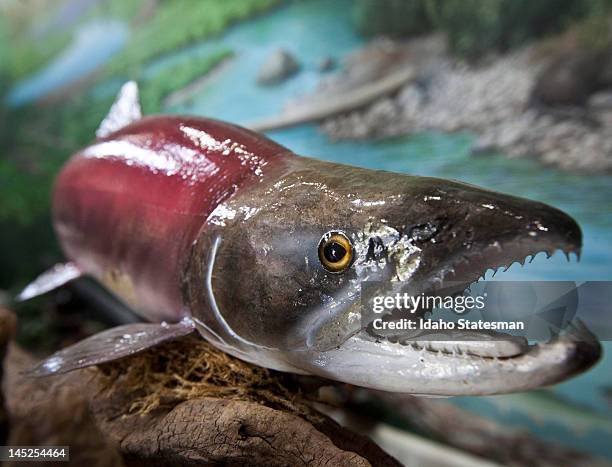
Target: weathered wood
x=332, y=105
x=81, y=410
x=8, y=325
x=469, y=432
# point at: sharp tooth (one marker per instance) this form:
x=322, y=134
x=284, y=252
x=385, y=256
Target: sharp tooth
x=485, y=347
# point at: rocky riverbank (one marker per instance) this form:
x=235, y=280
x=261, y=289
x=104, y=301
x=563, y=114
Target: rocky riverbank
x=508, y=101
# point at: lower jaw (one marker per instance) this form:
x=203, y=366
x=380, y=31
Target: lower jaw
x=363, y=361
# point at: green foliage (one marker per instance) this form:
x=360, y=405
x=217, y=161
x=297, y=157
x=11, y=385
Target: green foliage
x=594, y=30
x=475, y=27
x=179, y=23
x=395, y=18
x=21, y=58
x=4, y=47
x=19, y=53
x=158, y=87
x=173, y=24
x=29, y=250
x=20, y=206
x=125, y=10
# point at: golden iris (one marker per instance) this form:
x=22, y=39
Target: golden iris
x=335, y=251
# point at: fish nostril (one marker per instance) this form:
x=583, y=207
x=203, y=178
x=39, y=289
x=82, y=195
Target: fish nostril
x=376, y=249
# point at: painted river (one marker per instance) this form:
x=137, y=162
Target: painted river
x=315, y=29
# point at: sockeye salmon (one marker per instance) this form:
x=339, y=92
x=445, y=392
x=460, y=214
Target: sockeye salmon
x=203, y=226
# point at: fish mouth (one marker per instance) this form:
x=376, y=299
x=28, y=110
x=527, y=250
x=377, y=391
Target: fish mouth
x=468, y=362
x=422, y=368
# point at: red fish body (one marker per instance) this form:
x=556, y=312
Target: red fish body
x=128, y=207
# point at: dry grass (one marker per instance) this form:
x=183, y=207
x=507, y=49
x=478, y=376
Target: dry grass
x=191, y=368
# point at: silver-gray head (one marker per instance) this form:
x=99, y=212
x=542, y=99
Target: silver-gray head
x=276, y=275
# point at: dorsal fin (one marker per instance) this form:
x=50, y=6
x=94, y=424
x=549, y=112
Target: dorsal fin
x=125, y=110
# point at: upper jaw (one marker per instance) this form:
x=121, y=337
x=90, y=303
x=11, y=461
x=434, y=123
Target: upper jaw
x=471, y=265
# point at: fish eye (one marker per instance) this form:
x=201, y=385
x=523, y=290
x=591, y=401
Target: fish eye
x=335, y=251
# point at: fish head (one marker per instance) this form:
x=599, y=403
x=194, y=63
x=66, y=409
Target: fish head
x=290, y=257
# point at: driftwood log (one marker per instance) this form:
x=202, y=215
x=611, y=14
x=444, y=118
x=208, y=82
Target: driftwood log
x=449, y=425
x=163, y=408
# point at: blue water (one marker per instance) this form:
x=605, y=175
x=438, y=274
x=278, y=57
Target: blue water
x=315, y=29
x=92, y=46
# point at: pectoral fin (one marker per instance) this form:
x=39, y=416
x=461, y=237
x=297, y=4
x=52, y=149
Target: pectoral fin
x=111, y=344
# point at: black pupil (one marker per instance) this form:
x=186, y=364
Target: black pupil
x=334, y=252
